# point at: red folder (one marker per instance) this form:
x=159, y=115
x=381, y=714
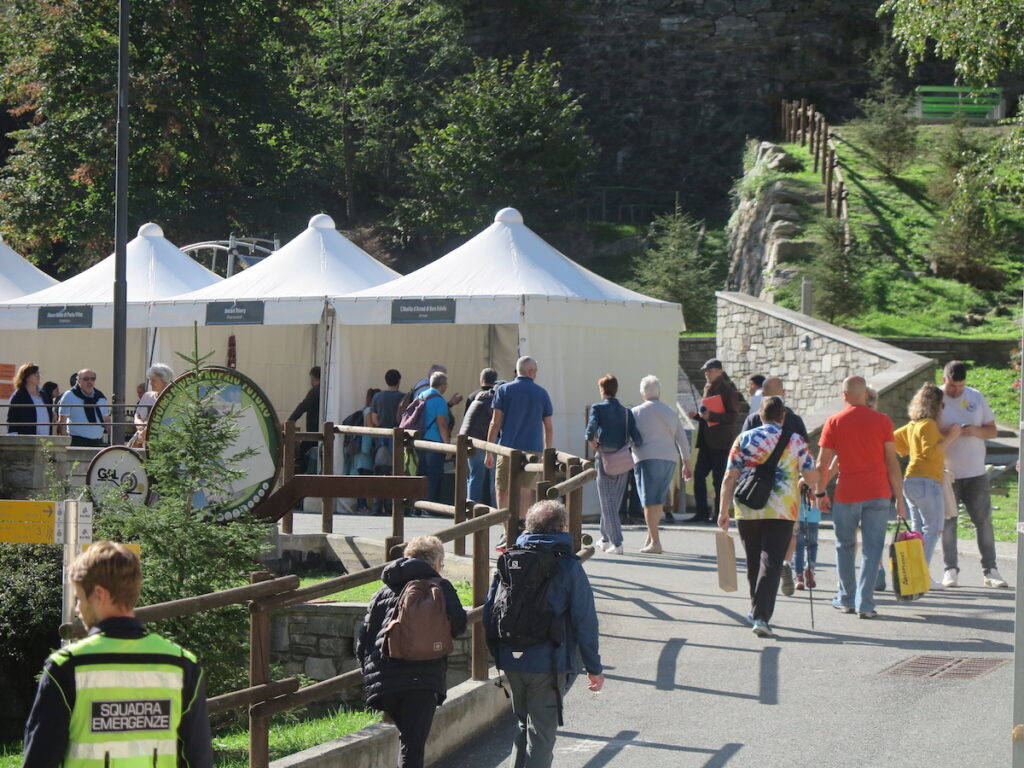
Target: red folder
x=715, y=404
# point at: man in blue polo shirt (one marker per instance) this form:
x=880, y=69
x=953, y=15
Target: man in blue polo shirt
x=521, y=418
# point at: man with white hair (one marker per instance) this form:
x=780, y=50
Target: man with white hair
x=520, y=418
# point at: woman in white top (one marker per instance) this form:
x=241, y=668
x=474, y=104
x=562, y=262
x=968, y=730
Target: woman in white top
x=158, y=376
x=27, y=413
x=664, y=442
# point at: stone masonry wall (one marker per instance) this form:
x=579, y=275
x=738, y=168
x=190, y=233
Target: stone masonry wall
x=813, y=357
x=318, y=640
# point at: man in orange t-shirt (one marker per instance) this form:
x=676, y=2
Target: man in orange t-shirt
x=869, y=476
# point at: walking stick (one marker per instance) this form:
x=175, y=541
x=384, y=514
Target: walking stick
x=805, y=503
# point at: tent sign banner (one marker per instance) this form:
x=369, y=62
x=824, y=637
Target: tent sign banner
x=422, y=311
x=65, y=317
x=234, y=313
x=259, y=433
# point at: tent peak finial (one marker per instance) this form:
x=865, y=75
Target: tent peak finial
x=322, y=221
x=151, y=230
x=509, y=216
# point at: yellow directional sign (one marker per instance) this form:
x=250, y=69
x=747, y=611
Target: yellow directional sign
x=27, y=522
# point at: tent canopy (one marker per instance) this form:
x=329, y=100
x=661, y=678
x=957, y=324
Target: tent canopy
x=294, y=282
x=155, y=269
x=18, y=277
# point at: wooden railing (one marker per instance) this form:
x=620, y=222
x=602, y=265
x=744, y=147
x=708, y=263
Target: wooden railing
x=562, y=476
x=802, y=124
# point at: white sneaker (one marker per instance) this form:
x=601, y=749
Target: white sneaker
x=951, y=578
x=993, y=579
x=613, y=550
x=603, y=543
x=936, y=586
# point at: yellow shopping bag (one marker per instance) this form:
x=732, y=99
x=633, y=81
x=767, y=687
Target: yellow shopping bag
x=910, y=576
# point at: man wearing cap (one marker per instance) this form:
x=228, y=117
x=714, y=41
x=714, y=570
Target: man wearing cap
x=716, y=431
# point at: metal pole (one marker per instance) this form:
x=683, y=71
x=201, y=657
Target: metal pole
x=806, y=294
x=1018, y=626
x=121, y=229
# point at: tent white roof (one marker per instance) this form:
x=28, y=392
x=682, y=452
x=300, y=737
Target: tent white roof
x=18, y=277
x=155, y=269
x=317, y=263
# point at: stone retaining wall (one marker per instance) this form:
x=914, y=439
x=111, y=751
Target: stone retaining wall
x=813, y=357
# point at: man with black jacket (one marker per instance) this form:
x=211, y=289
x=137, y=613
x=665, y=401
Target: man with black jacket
x=409, y=691
x=772, y=386
x=716, y=431
x=480, y=483
x=310, y=406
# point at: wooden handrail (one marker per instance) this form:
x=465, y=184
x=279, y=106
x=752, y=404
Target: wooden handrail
x=248, y=696
x=570, y=485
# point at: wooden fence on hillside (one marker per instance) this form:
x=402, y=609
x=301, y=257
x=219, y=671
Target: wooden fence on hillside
x=562, y=476
x=802, y=124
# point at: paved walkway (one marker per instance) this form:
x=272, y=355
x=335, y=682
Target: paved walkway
x=688, y=684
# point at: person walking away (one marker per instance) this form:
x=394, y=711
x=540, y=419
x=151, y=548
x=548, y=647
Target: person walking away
x=805, y=551
x=362, y=447
x=610, y=427
x=715, y=433
x=158, y=376
x=766, y=532
x=774, y=386
x=965, y=458
x=540, y=673
x=27, y=411
x=81, y=412
x=122, y=695
x=436, y=428
x=663, y=442
x=926, y=447
x=305, y=457
x=408, y=690
x=384, y=415
x=862, y=440
x=520, y=418
x=480, y=483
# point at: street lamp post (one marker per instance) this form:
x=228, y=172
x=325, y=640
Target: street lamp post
x=121, y=227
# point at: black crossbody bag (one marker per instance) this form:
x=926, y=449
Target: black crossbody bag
x=755, y=488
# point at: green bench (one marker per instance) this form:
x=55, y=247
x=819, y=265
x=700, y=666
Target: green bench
x=941, y=103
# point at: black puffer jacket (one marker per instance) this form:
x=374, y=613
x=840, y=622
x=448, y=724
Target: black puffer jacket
x=386, y=675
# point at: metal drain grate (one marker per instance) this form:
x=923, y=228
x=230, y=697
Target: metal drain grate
x=948, y=667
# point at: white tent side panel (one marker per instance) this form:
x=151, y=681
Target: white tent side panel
x=276, y=357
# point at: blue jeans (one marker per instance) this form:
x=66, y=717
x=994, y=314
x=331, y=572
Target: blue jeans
x=480, y=483
x=433, y=470
x=806, y=540
x=927, y=510
x=858, y=592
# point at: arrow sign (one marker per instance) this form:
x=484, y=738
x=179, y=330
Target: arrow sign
x=27, y=522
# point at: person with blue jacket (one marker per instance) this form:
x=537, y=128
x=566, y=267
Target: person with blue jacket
x=610, y=428
x=540, y=674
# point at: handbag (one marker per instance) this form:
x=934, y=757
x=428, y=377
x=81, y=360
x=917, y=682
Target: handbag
x=615, y=463
x=755, y=488
x=910, y=576
x=949, y=495
x=725, y=548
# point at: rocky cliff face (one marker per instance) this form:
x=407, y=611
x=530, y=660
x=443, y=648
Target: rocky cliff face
x=766, y=229
x=672, y=87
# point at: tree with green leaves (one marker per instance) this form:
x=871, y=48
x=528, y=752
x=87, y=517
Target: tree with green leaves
x=837, y=273
x=506, y=133
x=682, y=265
x=216, y=133
x=184, y=552
x=368, y=71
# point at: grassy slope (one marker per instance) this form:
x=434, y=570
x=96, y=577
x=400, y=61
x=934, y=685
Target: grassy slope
x=898, y=215
x=364, y=593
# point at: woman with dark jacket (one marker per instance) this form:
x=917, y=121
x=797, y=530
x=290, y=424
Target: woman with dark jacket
x=611, y=427
x=409, y=691
x=28, y=412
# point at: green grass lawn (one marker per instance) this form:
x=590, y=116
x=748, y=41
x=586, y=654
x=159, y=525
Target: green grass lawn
x=287, y=736
x=364, y=593
x=10, y=755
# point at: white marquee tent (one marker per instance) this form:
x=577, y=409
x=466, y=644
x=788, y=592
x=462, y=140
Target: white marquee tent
x=274, y=310
x=504, y=294
x=18, y=277
x=66, y=326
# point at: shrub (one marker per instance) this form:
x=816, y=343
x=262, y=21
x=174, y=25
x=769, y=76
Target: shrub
x=837, y=272
x=966, y=242
x=888, y=130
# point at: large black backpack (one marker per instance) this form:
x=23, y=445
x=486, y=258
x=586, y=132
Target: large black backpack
x=521, y=614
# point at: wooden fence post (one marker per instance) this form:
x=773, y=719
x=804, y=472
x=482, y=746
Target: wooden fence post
x=515, y=494
x=824, y=147
x=550, y=467
x=782, y=120
x=481, y=581
x=327, y=502
x=397, y=505
x=259, y=673
x=574, y=505
x=829, y=161
x=461, y=475
x=288, y=470
x=815, y=138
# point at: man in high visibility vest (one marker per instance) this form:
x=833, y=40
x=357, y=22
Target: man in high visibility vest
x=121, y=697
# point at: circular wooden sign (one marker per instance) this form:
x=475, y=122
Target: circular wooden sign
x=121, y=469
